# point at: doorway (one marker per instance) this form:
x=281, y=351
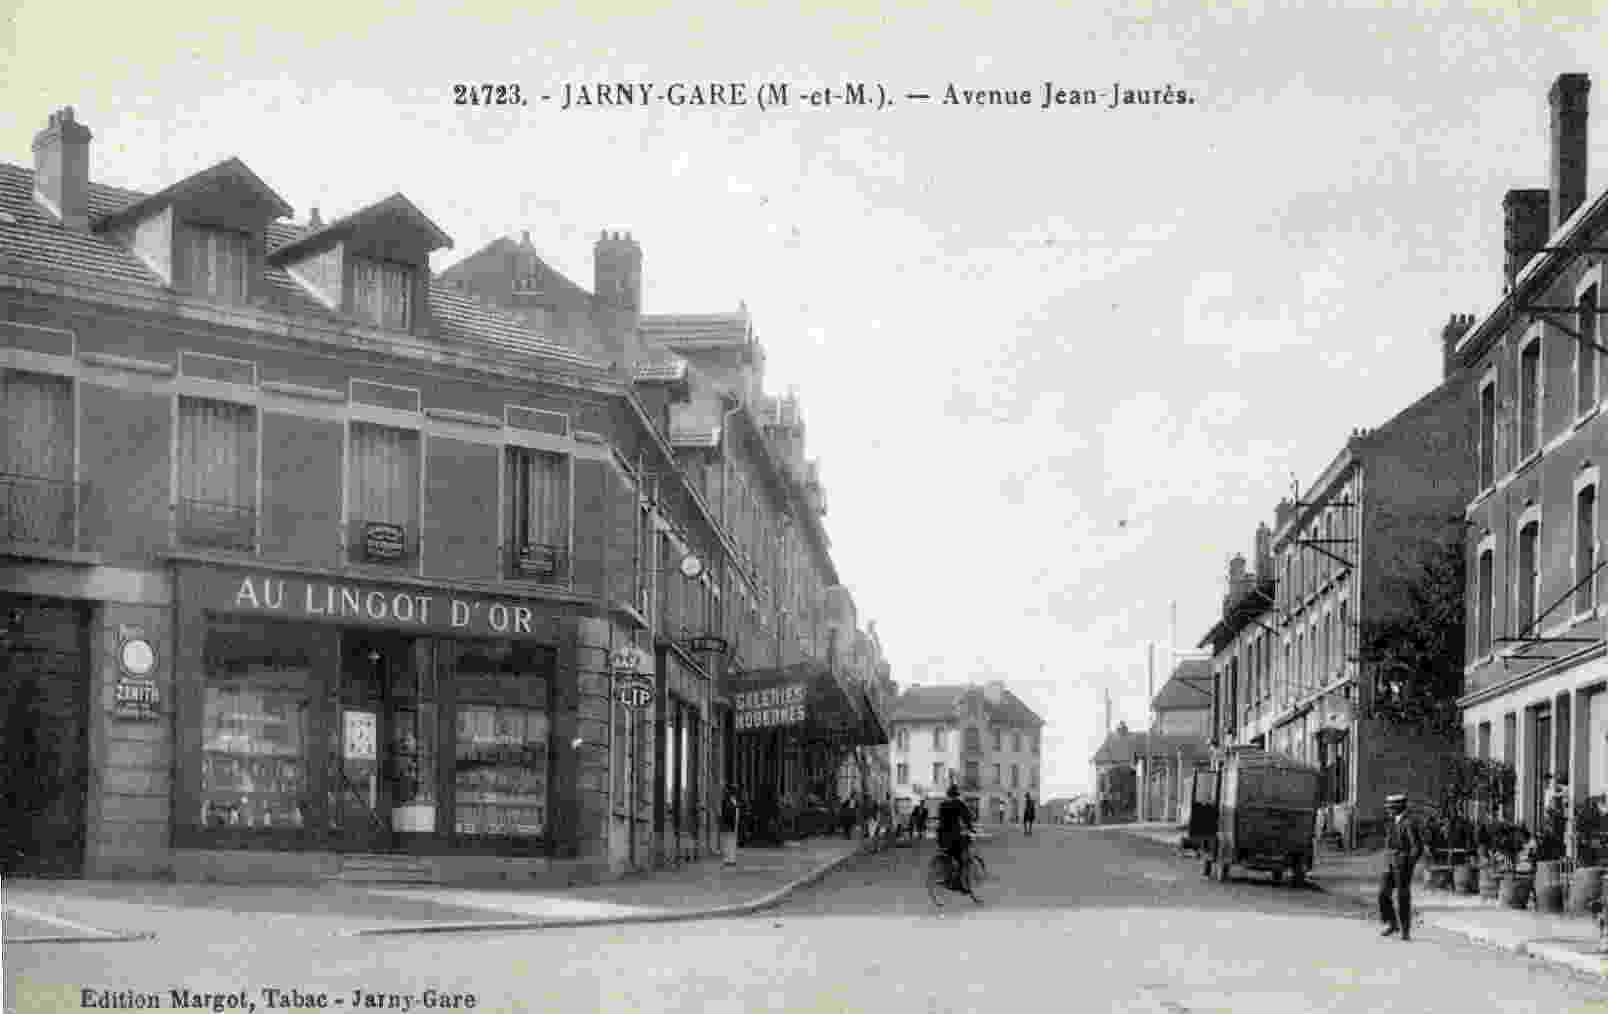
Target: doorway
x=44, y=742
x=387, y=732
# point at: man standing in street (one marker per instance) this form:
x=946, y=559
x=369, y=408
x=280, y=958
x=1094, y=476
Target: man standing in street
x=728, y=826
x=1403, y=846
x=1029, y=811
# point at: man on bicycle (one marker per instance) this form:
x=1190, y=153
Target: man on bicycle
x=954, y=820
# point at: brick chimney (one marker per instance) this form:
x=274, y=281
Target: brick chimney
x=1569, y=99
x=61, y=169
x=1524, y=228
x=1456, y=327
x=1264, y=551
x=617, y=271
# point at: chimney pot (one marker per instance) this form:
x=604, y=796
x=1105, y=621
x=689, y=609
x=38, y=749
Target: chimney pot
x=1525, y=228
x=1569, y=98
x=524, y=237
x=61, y=169
x=315, y=220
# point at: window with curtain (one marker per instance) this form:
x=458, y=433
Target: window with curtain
x=938, y=774
x=1530, y=399
x=1586, y=354
x=974, y=739
x=217, y=474
x=216, y=263
x=1585, y=562
x=1486, y=592
x=384, y=478
x=1527, y=576
x=1487, y=462
x=382, y=292
x=38, y=499
x=538, y=513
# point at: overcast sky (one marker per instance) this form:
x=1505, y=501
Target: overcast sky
x=1057, y=364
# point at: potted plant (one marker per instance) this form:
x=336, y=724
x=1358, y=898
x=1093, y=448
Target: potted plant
x=1508, y=842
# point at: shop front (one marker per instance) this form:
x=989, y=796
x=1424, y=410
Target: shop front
x=687, y=791
x=795, y=729
x=333, y=716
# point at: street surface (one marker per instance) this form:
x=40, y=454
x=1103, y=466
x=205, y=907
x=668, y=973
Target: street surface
x=1074, y=919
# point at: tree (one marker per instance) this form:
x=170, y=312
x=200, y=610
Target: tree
x=1417, y=650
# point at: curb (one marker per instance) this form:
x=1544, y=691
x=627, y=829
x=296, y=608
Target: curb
x=111, y=938
x=1593, y=966
x=770, y=900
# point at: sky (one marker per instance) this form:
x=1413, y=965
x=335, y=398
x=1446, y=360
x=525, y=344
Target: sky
x=1057, y=364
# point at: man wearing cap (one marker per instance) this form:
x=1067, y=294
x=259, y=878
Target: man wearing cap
x=1403, y=846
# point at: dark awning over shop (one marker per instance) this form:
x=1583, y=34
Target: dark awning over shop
x=807, y=698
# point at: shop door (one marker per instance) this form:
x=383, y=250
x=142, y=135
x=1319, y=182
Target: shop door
x=387, y=731
x=44, y=694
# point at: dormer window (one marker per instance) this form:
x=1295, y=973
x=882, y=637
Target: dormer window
x=214, y=264
x=382, y=293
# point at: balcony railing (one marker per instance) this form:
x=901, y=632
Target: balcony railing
x=204, y=524
x=39, y=510
x=534, y=561
x=381, y=543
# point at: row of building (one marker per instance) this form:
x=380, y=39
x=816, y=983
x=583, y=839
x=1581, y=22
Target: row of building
x=1451, y=556
x=313, y=561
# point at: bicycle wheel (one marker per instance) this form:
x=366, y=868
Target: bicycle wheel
x=937, y=878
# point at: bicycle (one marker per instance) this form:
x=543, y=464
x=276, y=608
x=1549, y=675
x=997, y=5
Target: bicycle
x=940, y=871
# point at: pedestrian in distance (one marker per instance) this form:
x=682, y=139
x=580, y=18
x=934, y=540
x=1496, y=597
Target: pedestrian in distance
x=1404, y=845
x=728, y=826
x=918, y=820
x=1029, y=812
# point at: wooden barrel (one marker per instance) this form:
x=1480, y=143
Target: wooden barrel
x=1585, y=887
x=1549, y=886
x=1515, y=890
x=1490, y=882
x=1463, y=881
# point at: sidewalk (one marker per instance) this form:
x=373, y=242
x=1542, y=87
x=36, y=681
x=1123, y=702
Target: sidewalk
x=1568, y=941
x=105, y=911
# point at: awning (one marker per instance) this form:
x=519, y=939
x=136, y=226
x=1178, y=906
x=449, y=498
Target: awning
x=808, y=698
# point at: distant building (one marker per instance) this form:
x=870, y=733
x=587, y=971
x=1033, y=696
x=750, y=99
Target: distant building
x=979, y=737
x=1178, y=740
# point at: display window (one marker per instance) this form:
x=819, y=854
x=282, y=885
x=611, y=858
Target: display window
x=502, y=741
x=256, y=702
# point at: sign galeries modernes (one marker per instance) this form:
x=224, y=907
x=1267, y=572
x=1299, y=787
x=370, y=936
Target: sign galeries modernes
x=773, y=706
x=304, y=598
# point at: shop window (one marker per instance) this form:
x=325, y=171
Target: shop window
x=217, y=475
x=384, y=497
x=38, y=499
x=257, y=697
x=502, y=725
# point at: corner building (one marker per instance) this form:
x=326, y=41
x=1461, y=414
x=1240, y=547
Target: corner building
x=310, y=566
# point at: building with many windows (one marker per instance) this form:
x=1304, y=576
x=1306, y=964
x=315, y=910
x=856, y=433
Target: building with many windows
x=790, y=626
x=1537, y=671
x=979, y=737
x=1343, y=559
x=314, y=565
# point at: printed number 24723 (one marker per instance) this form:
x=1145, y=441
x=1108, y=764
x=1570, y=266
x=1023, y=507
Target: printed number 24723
x=487, y=95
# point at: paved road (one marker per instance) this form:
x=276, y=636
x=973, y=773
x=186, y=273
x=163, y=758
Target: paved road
x=1076, y=919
